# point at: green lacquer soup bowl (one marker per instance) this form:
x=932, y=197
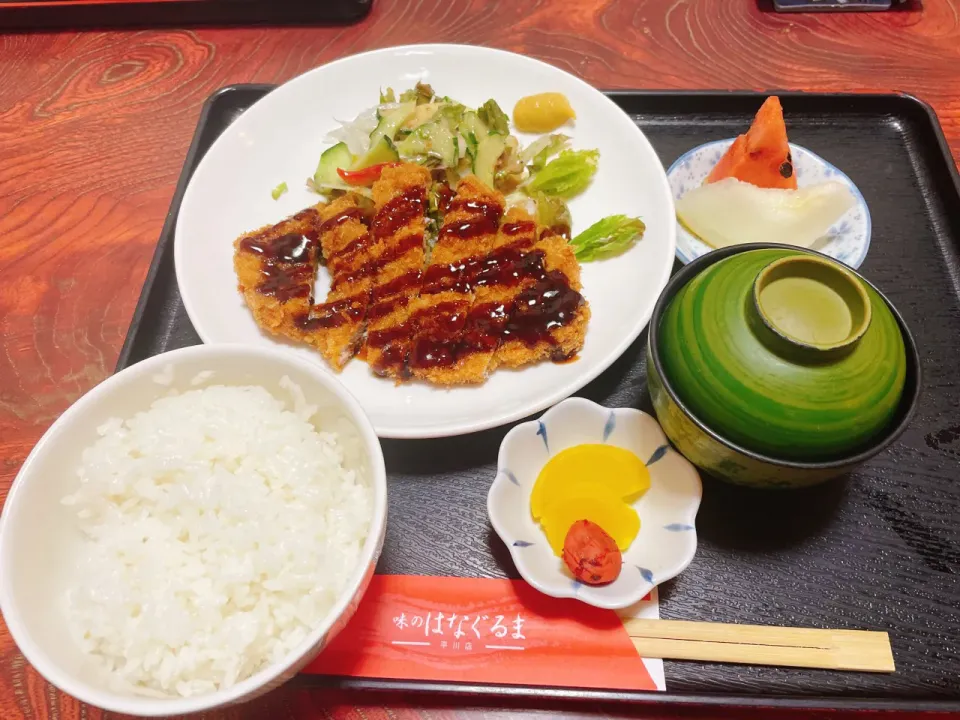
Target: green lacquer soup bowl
x=773, y=366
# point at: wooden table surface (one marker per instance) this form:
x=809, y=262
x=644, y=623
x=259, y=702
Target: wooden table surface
x=94, y=127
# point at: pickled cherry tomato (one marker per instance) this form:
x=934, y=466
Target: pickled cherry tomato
x=542, y=113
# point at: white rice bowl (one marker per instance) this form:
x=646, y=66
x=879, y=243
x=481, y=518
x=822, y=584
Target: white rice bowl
x=220, y=529
x=191, y=532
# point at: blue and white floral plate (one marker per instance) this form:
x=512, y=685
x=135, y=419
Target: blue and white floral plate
x=847, y=240
x=667, y=540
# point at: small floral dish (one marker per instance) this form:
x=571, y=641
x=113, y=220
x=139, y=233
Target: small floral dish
x=847, y=240
x=667, y=540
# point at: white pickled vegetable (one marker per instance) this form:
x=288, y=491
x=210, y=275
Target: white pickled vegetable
x=730, y=212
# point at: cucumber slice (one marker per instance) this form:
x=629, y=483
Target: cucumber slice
x=383, y=151
x=421, y=115
x=435, y=140
x=332, y=158
x=489, y=151
x=471, y=123
x=391, y=121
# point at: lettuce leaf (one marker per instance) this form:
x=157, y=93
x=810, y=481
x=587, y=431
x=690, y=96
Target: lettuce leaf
x=552, y=212
x=566, y=175
x=610, y=236
x=494, y=118
x=421, y=92
x=540, y=151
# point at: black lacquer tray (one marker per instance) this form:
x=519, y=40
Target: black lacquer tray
x=879, y=549
x=44, y=15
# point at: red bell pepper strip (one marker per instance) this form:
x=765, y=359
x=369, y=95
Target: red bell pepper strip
x=364, y=176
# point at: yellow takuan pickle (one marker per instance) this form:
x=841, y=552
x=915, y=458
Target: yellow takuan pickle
x=592, y=482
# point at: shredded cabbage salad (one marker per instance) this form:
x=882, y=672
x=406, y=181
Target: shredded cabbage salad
x=454, y=140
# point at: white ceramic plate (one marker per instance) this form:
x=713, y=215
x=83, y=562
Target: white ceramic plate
x=280, y=139
x=847, y=240
x=667, y=540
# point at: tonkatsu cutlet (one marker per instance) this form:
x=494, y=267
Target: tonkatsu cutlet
x=498, y=289
x=397, y=257
x=337, y=324
x=548, y=318
x=276, y=266
x=344, y=232
x=497, y=281
x=467, y=235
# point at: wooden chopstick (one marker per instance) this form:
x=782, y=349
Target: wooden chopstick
x=862, y=650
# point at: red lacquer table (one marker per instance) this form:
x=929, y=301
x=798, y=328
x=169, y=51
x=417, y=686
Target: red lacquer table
x=94, y=127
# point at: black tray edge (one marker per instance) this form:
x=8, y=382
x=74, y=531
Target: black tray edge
x=481, y=693
x=170, y=223
x=134, y=14
x=912, y=105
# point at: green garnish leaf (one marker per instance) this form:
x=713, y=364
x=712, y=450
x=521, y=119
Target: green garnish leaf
x=278, y=191
x=494, y=118
x=552, y=212
x=610, y=236
x=453, y=111
x=546, y=148
x=471, y=149
x=421, y=92
x=388, y=96
x=566, y=175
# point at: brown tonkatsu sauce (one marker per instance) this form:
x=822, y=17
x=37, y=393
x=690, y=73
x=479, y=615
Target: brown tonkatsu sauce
x=351, y=248
x=334, y=314
x=549, y=304
x=286, y=282
x=515, y=228
x=506, y=266
x=392, y=343
x=385, y=307
x=393, y=294
x=485, y=220
x=400, y=248
x=287, y=271
x=438, y=330
x=484, y=327
x=289, y=248
x=399, y=211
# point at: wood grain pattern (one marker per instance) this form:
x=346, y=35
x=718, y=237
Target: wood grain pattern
x=94, y=128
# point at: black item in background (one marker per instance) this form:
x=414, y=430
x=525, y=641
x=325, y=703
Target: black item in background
x=49, y=14
x=877, y=550
x=832, y=5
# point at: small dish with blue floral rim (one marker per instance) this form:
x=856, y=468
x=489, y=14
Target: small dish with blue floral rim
x=667, y=540
x=847, y=240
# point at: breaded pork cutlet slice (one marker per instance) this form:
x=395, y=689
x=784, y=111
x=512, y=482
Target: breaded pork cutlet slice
x=337, y=323
x=504, y=272
x=276, y=266
x=466, y=238
x=548, y=318
x=394, y=268
x=344, y=232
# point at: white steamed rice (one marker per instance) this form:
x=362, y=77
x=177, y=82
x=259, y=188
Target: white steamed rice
x=221, y=528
